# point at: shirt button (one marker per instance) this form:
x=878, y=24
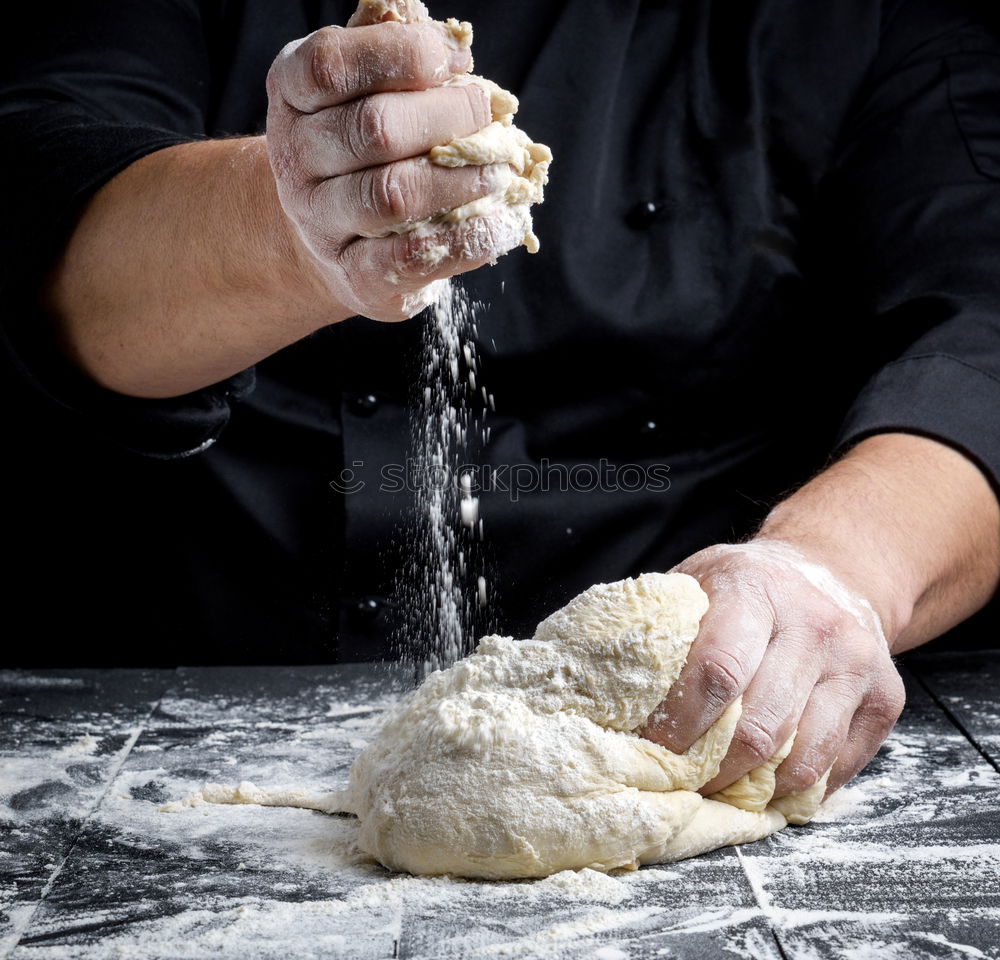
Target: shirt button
x=369, y=607
x=366, y=404
x=643, y=215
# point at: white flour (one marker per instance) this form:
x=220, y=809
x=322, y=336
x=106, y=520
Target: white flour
x=434, y=596
x=227, y=882
x=443, y=583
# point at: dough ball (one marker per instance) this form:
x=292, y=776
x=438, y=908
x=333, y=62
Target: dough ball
x=522, y=760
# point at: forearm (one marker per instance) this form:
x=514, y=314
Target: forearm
x=909, y=523
x=184, y=270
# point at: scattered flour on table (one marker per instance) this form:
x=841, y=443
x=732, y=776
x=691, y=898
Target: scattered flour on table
x=13, y=681
x=290, y=882
x=845, y=804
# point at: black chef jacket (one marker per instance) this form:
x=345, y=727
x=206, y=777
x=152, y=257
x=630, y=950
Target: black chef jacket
x=773, y=228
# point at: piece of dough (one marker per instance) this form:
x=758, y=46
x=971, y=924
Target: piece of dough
x=500, y=142
x=522, y=760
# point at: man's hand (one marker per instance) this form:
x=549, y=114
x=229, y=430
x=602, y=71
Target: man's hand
x=891, y=546
x=200, y=260
x=801, y=650
x=352, y=116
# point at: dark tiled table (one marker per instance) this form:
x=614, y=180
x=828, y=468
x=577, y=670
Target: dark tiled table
x=905, y=863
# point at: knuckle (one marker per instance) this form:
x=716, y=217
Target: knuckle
x=272, y=82
x=889, y=696
x=827, y=621
x=846, y=686
x=368, y=135
x=803, y=774
x=873, y=722
x=887, y=704
x=284, y=74
x=721, y=678
x=326, y=64
x=314, y=214
x=313, y=202
x=754, y=741
x=818, y=629
x=896, y=696
x=479, y=104
x=408, y=259
x=282, y=61
x=387, y=195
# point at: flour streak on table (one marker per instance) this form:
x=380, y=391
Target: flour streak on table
x=902, y=864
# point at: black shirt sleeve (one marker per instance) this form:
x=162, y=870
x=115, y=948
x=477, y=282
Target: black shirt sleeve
x=914, y=198
x=86, y=90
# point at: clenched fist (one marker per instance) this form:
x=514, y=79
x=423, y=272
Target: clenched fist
x=352, y=116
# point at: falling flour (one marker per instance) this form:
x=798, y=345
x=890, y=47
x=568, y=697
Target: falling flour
x=443, y=585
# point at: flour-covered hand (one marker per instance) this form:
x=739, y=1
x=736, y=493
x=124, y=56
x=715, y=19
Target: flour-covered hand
x=805, y=652
x=352, y=116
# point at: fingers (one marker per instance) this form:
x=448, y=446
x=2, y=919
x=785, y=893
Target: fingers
x=840, y=730
x=822, y=732
x=814, y=670
x=725, y=655
x=384, y=128
x=373, y=202
x=333, y=66
x=871, y=724
x=772, y=705
x=418, y=258
x=410, y=262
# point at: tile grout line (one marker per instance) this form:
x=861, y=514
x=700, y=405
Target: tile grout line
x=956, y=722
x=18, y=934
x=763, y=902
